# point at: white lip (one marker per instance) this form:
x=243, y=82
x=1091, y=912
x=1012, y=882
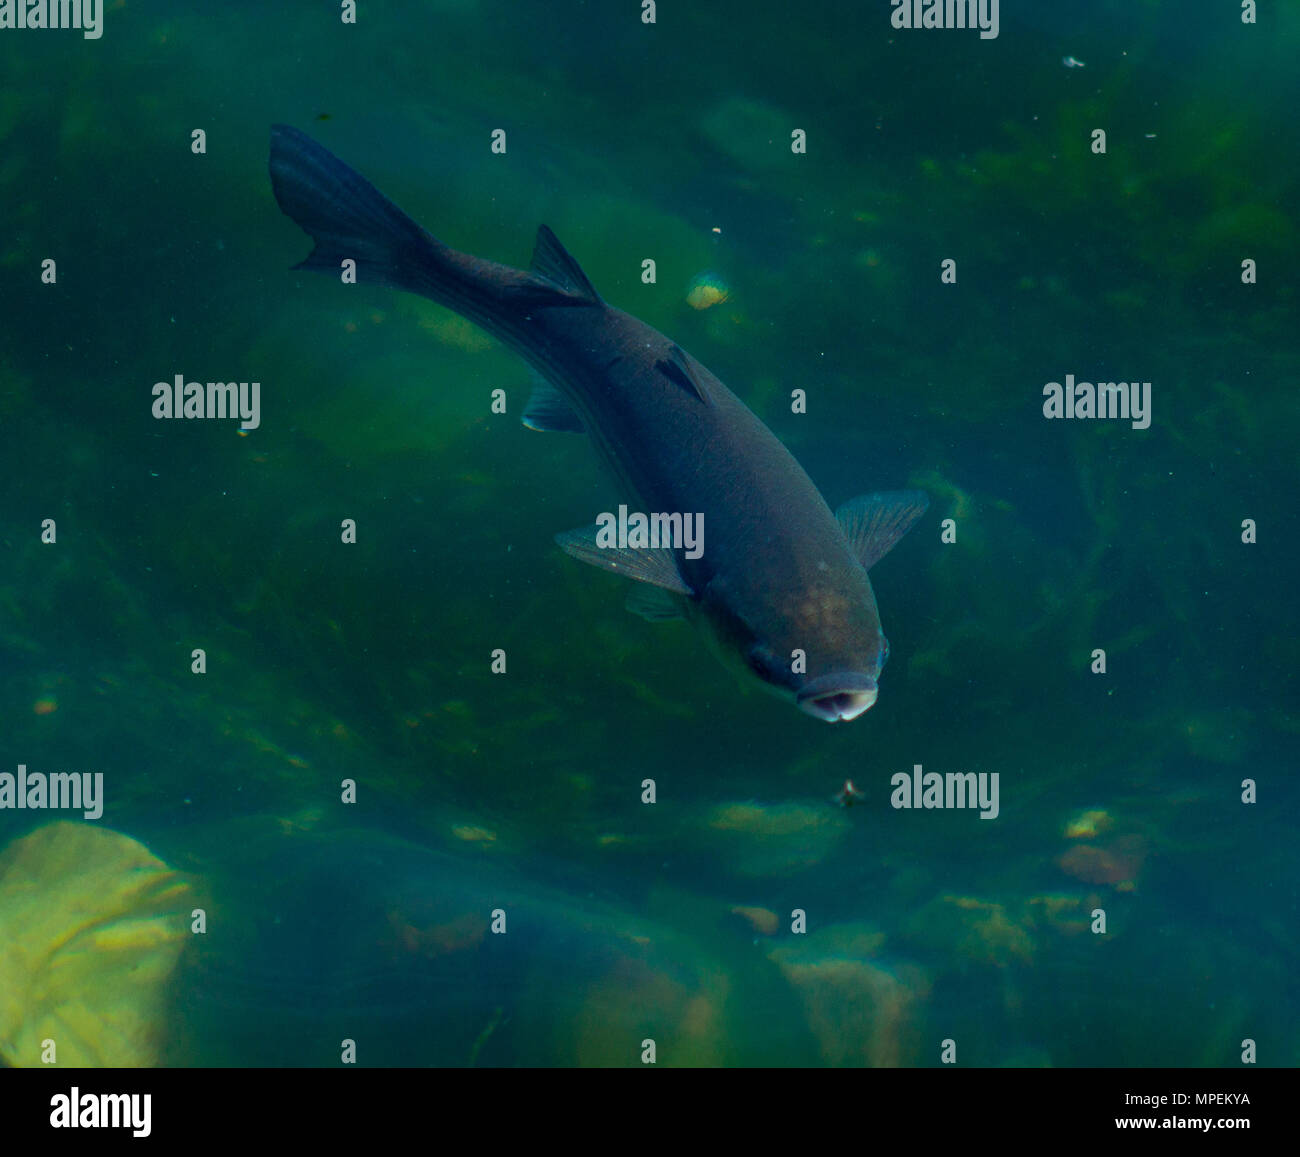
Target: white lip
x=839, y=706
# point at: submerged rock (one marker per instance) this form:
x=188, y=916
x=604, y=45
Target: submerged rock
x=1088, y=824
x=1115, y=855
x=1117, y=862
x=861, y=1011
x=91, y=927
x=762, y=920
x=982, y=933
x=756, y=839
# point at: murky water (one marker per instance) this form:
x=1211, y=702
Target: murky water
x=391, y=843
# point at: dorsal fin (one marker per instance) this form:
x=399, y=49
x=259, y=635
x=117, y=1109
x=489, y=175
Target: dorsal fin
x=677, y=365
x=553, y=262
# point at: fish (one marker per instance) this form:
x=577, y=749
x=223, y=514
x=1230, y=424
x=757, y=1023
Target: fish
x=780, y=588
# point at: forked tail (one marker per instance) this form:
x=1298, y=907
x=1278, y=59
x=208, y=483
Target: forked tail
x=349, y=218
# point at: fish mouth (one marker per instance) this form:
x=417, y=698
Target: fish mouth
x=837, y=698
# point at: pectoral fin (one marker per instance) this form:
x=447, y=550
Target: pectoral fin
x=653, y=604
x=547, y=409
x=655, y=566
x=873, y=523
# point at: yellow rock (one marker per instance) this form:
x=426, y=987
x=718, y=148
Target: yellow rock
x=860, y=1011
x=1087, y=824
x=473, y=834
x=762, y=920
x=982, y=932
x=91, y=927
x=770, y=839
x=680, y=1008
x=1068, y=914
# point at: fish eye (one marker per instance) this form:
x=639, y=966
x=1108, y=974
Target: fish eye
x=884, y=654
x=757, y=663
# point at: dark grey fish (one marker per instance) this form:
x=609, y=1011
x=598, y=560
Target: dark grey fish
x=781, y=585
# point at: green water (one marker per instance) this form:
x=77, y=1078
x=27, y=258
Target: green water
x=371, y=662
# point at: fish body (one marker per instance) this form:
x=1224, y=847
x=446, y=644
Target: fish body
x=780, y=586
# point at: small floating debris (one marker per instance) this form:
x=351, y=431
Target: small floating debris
x=848, y=795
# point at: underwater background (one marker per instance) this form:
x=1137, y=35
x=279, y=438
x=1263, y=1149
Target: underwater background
x=371, y=920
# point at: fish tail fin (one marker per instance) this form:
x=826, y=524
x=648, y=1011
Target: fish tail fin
x=349, y=218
